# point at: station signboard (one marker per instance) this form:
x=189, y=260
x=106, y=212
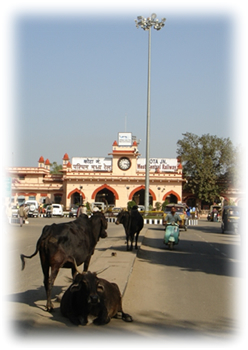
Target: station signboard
x=125, y=139
x=91, y=164
x=158, y=164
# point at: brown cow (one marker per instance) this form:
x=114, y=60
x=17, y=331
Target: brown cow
x=89, y=295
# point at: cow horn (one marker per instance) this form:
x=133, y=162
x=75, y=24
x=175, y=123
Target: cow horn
x=100, y=271
x=75, y=265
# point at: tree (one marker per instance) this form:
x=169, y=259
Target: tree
x=158, y=205
x=130, y=204
x=208, y=164
x=55, y=168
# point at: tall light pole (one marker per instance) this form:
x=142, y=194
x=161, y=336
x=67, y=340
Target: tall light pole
x=147, y=24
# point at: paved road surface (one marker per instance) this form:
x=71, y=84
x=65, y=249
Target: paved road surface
x=185, y=293
x=189, y=290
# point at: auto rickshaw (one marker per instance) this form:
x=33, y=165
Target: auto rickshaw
x=180, y=210
x=230, y=219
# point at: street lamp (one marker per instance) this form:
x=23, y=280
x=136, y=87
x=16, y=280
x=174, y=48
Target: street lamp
x=147, y=24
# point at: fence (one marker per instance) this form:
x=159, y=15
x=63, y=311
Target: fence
x=191, y=222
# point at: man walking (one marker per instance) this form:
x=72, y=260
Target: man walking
x=21, y=213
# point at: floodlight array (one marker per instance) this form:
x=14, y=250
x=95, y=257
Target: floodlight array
x=147, y=23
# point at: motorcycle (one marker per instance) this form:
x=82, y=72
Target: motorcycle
x=171, y=236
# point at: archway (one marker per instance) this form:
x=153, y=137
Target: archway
x=76, y=196
x=138, y=196
x=172, y=197
x=105, y=193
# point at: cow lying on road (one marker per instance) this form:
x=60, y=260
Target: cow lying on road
x=133, y=223
x=67, y=245
x=89, y=295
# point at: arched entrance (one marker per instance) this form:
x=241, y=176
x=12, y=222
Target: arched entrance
x=77, y=196
x=171, y=197
x=105, y=193
x=138, y=196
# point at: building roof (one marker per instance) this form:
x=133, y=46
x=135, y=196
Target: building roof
x=66, y=157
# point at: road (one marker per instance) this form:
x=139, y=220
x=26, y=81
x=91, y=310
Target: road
x=191, y=291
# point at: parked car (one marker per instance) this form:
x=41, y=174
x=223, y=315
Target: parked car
x=33, y=210
x=99, y=205
x=116, y=210
x=73, y=211
x=54, y=210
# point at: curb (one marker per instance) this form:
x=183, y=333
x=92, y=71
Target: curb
x=191, y=222
x=118, y=263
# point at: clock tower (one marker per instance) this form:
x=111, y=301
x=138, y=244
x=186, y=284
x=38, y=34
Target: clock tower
x=124, y=161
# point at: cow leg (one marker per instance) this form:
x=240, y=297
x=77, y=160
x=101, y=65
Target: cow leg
x=54, y=272
x=45, y=269
x=103, y=317
x=86, y=263
x=131, y=240
x=127, y=240
x=136, y=240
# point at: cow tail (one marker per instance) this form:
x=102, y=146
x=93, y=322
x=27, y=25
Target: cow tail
x=22, y=256
x=44, y=235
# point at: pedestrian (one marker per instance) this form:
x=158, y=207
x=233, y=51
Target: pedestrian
x=81, y=210
x=84, y=209
x=26, y=210
x=21, y=213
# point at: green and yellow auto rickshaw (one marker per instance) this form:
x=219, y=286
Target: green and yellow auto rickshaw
x=230, y=219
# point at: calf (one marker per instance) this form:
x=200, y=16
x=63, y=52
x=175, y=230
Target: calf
x=89, y=295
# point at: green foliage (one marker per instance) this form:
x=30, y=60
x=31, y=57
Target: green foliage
x=130, y=204
x=55, y=168
x=87, y=206
x=164, y=204
x=158, y=206
x=209, y=164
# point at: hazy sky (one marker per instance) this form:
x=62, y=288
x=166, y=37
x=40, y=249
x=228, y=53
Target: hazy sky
x=80, y=79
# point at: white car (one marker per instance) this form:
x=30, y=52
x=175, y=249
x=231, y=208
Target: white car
x=33, y=207
x=55, y=210
x=116, y=211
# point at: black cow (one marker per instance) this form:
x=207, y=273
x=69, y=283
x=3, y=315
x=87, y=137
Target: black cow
x=89, y=295
x=67, y=245
x=133, y=223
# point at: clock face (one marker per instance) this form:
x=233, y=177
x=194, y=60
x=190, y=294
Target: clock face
x=124, y=163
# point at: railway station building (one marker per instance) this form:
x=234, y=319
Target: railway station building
x=117, y=178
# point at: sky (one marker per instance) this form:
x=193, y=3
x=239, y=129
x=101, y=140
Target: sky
x=79, y=78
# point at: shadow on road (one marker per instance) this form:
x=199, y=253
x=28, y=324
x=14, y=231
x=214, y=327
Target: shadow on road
x=152, y=325
x=192, y=256
x=30, y=297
